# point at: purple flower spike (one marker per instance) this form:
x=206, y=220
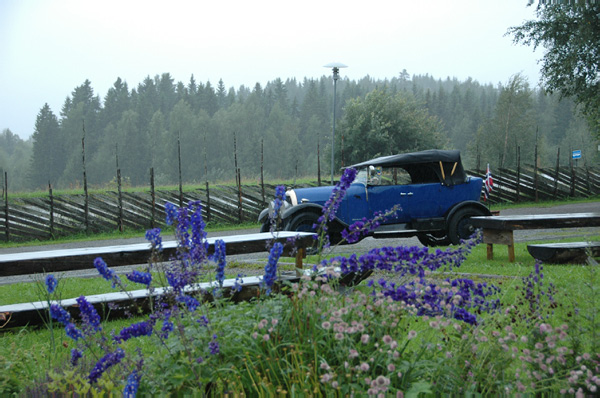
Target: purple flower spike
x=107, y=361
x=51, y=283
x=153, y=236
x=106, y=272
x=143, y=278
x=90, y=317
x=271, y=267
x=60, y=314
x=136, y=330
x=133, y=383
x=75, y=356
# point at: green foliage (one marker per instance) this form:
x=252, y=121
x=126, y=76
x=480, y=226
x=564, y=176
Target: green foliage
x=569, y=32
x=385, y=124
x=291, y=119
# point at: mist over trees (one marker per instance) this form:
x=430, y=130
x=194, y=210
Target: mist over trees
x=288, y=122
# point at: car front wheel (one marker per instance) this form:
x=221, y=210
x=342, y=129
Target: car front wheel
x=460, y=225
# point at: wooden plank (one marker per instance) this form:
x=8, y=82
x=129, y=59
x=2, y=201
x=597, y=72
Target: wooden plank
x=542, y=221
x=82, y=258
x=566, y=252
x=34, y=314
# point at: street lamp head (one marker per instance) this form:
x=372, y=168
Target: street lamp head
x=336, y=68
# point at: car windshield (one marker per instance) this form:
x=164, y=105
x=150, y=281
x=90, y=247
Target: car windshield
x=361, y=177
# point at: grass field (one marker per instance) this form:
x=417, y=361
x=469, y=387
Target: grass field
x=36, y=356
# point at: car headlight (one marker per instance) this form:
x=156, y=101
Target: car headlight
x=284, y=206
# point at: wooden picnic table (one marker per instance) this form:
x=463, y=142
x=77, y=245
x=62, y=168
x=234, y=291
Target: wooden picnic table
x=500, y=229
x=131, y=254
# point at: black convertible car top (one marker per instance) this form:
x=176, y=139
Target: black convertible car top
x=433, y=165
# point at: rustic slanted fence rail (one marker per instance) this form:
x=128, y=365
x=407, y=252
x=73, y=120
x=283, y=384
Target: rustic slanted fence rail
x=43, y=218
x=527, y=185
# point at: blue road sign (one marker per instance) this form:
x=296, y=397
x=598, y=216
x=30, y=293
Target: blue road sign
x=577, y=154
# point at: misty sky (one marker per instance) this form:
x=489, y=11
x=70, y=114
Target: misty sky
x=47, y=48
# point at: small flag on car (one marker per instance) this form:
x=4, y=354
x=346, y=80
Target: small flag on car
x=489, y=182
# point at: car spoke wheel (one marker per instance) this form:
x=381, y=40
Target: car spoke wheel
x=461, y=226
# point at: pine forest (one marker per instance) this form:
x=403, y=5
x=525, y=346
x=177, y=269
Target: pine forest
x=285, y=129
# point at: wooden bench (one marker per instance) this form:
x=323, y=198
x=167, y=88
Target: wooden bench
x=500, y=229
x=30, y=314
x=566, y=252
x=82, y=258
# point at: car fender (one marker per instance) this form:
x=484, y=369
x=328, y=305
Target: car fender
x=263, y=216
x=292, y=211
x=467, y=204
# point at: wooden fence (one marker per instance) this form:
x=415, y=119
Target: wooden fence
x=44, y=218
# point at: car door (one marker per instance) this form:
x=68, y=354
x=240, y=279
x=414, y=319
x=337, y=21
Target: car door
x=354, y=206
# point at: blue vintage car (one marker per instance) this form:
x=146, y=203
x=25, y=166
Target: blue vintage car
x=435, y=196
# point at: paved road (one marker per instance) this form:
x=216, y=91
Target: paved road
x=361, y=247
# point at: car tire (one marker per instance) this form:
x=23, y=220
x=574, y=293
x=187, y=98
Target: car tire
x=433, y=239
x=304, y=223
x=266, y=227
x=460, y=225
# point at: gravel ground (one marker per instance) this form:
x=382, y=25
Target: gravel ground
x=361, y=247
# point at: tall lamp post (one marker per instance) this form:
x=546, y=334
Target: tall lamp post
x=336, y=75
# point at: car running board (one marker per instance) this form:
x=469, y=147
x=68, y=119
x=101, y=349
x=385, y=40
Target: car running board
x=402, y=233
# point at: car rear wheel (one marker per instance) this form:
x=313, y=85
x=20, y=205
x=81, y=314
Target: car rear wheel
x=460, y=225
x=433, y=239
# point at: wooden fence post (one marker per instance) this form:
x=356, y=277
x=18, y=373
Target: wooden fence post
x=318, y=163
x=556, y=172
x=262, y=178
x=6, y=213
x=153, y=199
x=207, y=203
x=518, y=174
x=572, y=178
x=535, y=171
x=498, y=184
x=239, y=182
x=180, y=180
x=86, y=206
x=120, y=206
x=51, y=210
x=238, y=178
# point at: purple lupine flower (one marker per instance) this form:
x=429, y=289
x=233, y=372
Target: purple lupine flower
x=75, y=356
x=278, y=201
x=139, y=329
x=60, y=314
x=338, y=193
x=237, y=285
x=170, y=213
x=106, y=272
x=219, y=258
x=271, y=268
x=183, y=226
x=143, y=278
x=133, y=383
x=89, y=315
x=73, y=332
x=107, y=361
x=204, y=321
x=153, y=236
x=190, y=302
x=197, y=224
x=51, y=283
x=213, y=345
x=167, y=327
